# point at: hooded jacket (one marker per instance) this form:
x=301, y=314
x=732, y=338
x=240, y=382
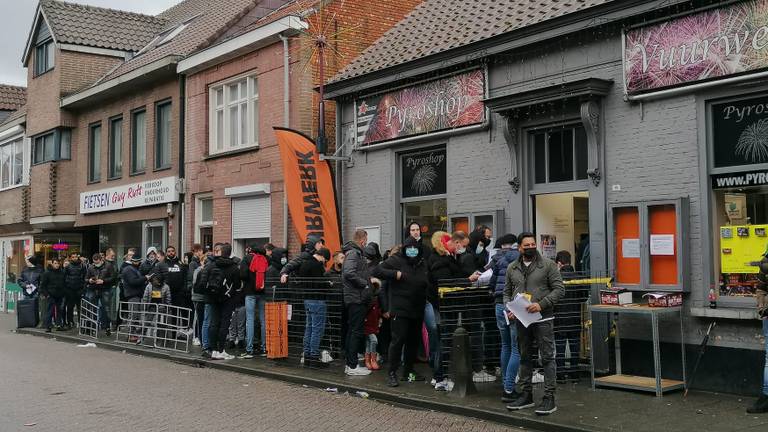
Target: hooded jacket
x=441, y=268
x=541, y=279
x=253, y=270
x=165, y=295
x=176, y=276
x=354, y=274
x=230, y=278
x=133, y=282
x=52, y=283
x=407, y=296
x=30, y=276
x=501, y=262
x=147, y=265
x=75, y=278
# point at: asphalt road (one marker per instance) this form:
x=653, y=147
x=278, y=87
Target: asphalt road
x=48, y=385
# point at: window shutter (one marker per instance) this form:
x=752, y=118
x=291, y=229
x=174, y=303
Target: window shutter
x=251, y=217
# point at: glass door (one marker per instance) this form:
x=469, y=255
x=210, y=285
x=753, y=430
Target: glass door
x=155, y=234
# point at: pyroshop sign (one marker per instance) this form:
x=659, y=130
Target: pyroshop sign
x=712, y=44
x=309, y=188
x=447, y=103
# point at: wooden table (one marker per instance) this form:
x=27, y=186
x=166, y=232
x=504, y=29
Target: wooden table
x=656, y=383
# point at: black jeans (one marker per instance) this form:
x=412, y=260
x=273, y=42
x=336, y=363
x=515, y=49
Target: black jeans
x=71, y=301
x=198, y=319
x=406, y=334
x=541, y=334
x=214, y=326
x=355, y=334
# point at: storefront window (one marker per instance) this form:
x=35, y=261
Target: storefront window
x=560, y=154
x=120, y=237
x=15, y=251
x=52, y=245
x=423, y=189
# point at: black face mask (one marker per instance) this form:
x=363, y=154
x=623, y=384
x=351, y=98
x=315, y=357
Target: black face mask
x=529, y=252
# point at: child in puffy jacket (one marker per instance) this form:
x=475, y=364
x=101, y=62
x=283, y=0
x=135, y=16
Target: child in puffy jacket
x=156, y=295
x=371, y=328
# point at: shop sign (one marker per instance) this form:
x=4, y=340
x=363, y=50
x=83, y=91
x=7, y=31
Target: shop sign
x=719, y=42
x=139, y=194
x=60, y=246
x=424, y=173
x=740, y=135
x=446, y=103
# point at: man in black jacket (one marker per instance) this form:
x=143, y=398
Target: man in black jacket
x=100, y=277
x=52, y=285
x=134, y=284
x=313, y=243
x=176, y=279
x=220, y=278
x=354, y=278
x=74, y=279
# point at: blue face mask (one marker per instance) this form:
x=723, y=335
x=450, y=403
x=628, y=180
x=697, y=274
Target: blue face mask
x=411, y=252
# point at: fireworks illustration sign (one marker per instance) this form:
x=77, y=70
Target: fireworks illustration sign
x=446, y=103
x=424, y=173
x=740, y=132
x=712, y=44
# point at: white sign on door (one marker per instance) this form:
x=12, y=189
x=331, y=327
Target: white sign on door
x=139, y=194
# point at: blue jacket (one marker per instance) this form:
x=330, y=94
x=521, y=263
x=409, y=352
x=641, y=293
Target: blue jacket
x=501, y=262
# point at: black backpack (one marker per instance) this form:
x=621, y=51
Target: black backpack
x=215, y=284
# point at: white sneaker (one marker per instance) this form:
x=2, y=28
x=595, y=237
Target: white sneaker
x=225, y=356
x=215, y=355
x=325, y=356
x=196, y=342
x=357, y=371
x=433, y=382
x=538, y=378
x=442, y=385
x=482, y=376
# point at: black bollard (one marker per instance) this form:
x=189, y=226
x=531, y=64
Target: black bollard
x=461, y=355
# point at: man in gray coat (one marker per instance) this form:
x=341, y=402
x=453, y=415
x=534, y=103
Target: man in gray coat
x=537, y=278
x=354, y=278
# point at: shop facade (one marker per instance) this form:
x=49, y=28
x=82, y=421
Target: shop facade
x=654, y=177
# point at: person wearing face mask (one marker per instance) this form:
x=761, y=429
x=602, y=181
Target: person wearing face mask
x=149, y=263
x=100, y=277
x=354, y=279
x=253, y=269
x=414, y=230
x=134, y=284
x=198, y=298
x=74, y=274
x=539, y=279
x=476, y=256
x=408, y=278
x=52, y=285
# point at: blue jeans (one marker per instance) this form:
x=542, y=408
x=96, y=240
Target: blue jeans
x=206, y=325
x=765, y=369
x=432, y=321
x=250, y=320
x=510, y=354
x=103, y=299
x=315, y=327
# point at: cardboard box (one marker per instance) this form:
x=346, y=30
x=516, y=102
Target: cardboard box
x=659, y=299
x=615, y=296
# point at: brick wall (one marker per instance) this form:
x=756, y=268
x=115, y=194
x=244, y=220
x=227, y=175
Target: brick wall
x=81, y=70
x=12, y=206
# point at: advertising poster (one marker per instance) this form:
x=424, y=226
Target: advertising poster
x=741, y=245
x=548, y=244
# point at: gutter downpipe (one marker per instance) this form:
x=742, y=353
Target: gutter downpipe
x=182, y=182
x=286, y=123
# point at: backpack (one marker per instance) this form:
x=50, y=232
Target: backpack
x=215, y=284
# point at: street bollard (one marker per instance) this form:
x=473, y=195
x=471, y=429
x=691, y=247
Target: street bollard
x=462, y=364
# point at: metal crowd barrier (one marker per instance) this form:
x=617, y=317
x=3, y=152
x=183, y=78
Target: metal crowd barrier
x=155, y=325
x=294, y=294
x=88, y=319
x=472, y=307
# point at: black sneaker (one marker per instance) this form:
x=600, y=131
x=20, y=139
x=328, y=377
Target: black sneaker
x=547, y=405
x=524, y=401
x=108, y=332
x=509, y=397
x=47, y=329
x=392, y=380
x=206, y=354
x=760, y=406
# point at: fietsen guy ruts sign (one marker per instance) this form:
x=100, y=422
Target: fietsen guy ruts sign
x=712, y=44
x=139, y=194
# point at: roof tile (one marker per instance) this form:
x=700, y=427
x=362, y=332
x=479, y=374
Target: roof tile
x=441, y=25
x=12, y=97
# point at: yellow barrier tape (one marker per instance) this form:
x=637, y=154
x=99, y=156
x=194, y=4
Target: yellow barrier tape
x=447, y=290
x=590, y=281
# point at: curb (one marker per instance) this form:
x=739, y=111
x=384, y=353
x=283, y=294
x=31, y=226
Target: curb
x=374, y=394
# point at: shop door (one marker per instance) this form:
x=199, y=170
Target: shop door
x=155, y=235
x=561, y=224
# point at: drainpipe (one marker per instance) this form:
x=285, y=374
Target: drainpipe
x=286, y=123
x=182, y=115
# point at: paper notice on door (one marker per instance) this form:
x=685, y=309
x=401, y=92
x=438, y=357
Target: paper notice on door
x=662, y=244
x=630, y=248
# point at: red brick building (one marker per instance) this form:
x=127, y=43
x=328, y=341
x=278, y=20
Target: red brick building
x=262, y=71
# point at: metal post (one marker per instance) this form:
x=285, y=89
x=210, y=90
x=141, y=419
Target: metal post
x=617, y=340
x=462, y=363
x=656, y=352
x=682, y=348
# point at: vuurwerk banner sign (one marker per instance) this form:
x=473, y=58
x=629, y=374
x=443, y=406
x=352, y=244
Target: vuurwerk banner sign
x=446, y=103
x=309, y=188
x=729, y=40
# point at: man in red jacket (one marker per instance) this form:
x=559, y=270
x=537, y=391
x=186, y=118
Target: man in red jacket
x=252, y=272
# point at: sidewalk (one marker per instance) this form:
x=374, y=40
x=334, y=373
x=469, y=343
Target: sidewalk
x=579, y=407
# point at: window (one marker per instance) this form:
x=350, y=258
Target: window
x=44, y=57
x=94, y=153
x=234, y=115
x=138, y=142
x=423, y=187
x=204, y=220
x=116, y=148
x=163, y=136
x=52, y=146
x=560, y=154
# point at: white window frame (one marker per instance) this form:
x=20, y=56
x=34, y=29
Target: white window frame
x=199, y=222
x=26, y=145
x=251, y=101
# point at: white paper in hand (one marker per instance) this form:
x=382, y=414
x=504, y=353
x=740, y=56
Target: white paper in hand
x=518, y=308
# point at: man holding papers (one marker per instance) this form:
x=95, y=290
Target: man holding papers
x=537, y=280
